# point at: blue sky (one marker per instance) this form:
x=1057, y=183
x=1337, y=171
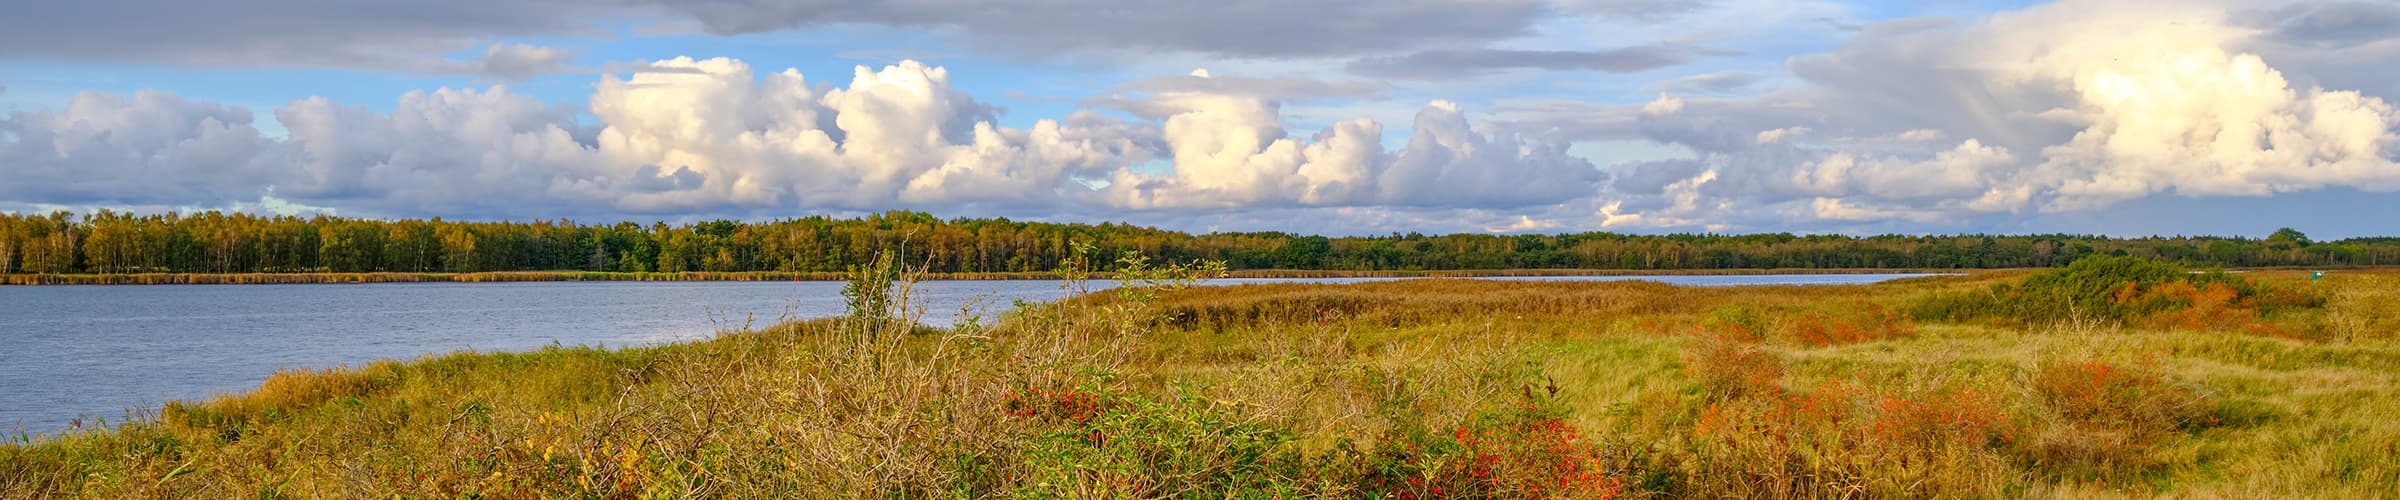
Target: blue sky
x=1340, y=117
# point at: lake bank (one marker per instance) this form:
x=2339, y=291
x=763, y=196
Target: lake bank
x=84, y=351
x=1475, y=388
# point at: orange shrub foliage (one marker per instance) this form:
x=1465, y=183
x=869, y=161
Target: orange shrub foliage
x=1956, y=417
x=1866, y=322
x=2136, y=397
x=2111, y=415
x=1730, y=367
x=1538, y=457
x=1839, y=436
x=2209, y=307
x=1065, y=403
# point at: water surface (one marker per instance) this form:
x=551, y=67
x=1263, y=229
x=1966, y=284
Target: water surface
x=98, y=351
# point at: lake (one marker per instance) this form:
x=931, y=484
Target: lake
x=86, y=351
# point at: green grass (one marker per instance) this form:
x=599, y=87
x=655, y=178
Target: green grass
x=1410, y=389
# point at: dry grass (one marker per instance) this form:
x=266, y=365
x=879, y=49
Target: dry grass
x=1409, y=389
x=484, y=277
x=295, y=278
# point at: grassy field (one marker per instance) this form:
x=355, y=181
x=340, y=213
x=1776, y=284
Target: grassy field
x=491, y=277
x=2111, y=379
x=521, y=276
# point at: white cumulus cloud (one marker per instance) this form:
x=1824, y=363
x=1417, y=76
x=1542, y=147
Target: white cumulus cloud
x=1778, y=135
x=1232, y=150
x=152, y=148
x=2068, y=107
x=1663, y=106
x=713, y=136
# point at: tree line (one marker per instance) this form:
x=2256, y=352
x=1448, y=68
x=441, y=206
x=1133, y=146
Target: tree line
x=109, y=242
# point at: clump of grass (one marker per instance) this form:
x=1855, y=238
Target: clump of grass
x=2363, y=308
x=1727, y=366
x=1850, y=324
x=1840, y=436
x=1096, y=442
x=2110, y=415
x=1738, y=323
x=2122, y=290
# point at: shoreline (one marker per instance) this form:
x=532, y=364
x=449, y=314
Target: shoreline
x=553, y=276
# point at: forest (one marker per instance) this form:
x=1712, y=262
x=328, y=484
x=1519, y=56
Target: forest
x=110, y=242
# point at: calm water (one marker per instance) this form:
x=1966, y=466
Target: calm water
x=101, y=350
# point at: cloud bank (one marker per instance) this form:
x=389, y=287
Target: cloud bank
x=714, y=136
x=2071, y=107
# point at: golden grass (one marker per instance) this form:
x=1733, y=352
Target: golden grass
x=523, y=276
x=1407, y=389
x=485, y=277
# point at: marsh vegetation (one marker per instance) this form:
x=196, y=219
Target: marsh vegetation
x=2107, y=377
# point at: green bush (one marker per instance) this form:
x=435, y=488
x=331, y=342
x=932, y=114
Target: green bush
x=1096, y=439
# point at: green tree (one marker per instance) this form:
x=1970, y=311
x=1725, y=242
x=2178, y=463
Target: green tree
x=2289, y=236
x=458, y=250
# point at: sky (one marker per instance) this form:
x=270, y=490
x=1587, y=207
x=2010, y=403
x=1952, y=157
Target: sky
x=1339, y=117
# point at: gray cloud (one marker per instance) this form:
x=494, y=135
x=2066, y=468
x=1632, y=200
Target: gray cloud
x=1718, y=83
x=2323, y=43
x=151, y=148
x=1440, y=64
x=2020, y=128
x=1572, y=121
x=1241, y=28
x=2328, y=24
x=1840, y=25
x=286, y=33
x=1144, y=97
x=302, y=33
x=446, y=152
x=1904, y=25
x=651, y=179
x=893, y=55
x=517, y=62
x=1639, y=10
x=1273, y=88
x=1886, y=82
x=1654, y=176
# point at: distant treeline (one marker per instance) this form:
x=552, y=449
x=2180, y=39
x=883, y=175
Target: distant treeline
x=107, y=242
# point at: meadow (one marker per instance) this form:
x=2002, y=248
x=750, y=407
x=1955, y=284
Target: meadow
x=301, y=278
x=2109, y=377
